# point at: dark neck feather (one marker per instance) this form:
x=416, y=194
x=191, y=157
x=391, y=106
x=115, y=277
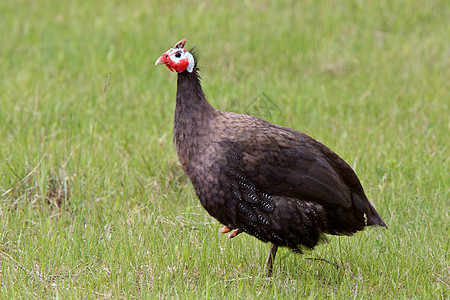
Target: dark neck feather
x=190, y=94
x=192, y=109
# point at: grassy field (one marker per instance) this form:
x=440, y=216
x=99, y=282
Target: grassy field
x=93, y=200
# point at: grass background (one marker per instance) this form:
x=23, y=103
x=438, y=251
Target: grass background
x=93, y=200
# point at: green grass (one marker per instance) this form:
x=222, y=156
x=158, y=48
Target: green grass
x=93, y=200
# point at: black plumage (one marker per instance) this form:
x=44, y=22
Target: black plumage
x=269, y=181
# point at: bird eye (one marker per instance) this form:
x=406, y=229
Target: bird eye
x=178, y=54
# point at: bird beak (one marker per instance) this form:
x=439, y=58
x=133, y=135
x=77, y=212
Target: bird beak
x=160, y=61
x=165, y=60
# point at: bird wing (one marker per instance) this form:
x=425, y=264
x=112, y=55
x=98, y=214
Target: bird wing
x=271, y=192
x=283, y=162
x=278, y=181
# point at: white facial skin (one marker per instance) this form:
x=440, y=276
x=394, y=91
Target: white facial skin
x=178, y=54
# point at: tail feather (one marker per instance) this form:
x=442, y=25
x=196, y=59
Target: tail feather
x=349, y=220
x=363, y=207
x=374, y=218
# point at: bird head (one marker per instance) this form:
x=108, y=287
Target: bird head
x=177, y=58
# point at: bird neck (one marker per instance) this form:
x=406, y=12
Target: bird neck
x=192, y=109
x=190, y=96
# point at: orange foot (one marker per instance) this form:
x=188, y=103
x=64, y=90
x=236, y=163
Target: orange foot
x=234, y=233
x=225, y=229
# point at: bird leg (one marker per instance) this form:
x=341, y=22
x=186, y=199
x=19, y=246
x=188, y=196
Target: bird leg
x=271, y=258
x=233, y=234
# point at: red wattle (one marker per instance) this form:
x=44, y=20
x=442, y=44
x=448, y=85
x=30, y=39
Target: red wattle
x=180, y=66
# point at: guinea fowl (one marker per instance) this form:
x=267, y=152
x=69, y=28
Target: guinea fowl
x=269, y=181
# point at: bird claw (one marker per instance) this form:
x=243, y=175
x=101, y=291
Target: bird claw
x=233, y=234
x=225, y=229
